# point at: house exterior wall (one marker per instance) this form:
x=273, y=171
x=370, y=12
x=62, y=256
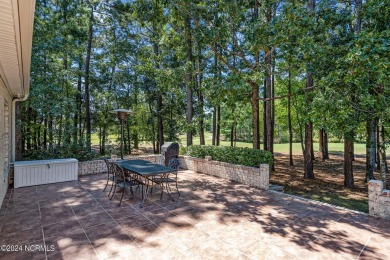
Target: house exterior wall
x=16, y=27
x=5, y=138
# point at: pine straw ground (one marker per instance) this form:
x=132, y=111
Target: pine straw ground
x=328, y=183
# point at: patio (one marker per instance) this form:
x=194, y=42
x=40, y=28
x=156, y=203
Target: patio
x=213, y=218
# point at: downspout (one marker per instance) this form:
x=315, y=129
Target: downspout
x=23, y=16
x=13, y=123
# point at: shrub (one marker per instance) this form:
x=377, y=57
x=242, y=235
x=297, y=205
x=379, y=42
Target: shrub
x=235, y=155
x=59, y=152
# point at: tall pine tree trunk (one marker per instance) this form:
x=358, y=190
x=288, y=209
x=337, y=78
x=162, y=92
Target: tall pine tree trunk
x=348, y=160
x=308, y=162
x=160, y=126
x=28, y=128
x=321, y=147
x=326, y=150
x=50, y=130
x=128, y=146
x=214, y=125
x=308, y=148
x=255, y=115
x=200, y=99
x=35, y=145
x=135, y=135
x=77, y=114
x=370, y=149
x=86, y=84
x=152, y=128
x=215, y=112
x=272, y=109
x=218, y=132
x=308, y=151
x=106, y=110
x=39, y=126
x=232, y=133
x=323, y=144
x=312, y=146
x=201, y=119
x=60, y=124
x=377, y=154
x=268, y=102
x=382, y=153
x=290, y=133
x=189, y=113
x=45, y=133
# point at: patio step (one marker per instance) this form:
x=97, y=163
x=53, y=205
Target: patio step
x=275, y=187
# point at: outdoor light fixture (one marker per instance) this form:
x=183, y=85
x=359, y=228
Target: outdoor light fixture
x=122, y=115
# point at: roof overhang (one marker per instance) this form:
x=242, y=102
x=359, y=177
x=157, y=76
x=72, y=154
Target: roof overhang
x=16, y=28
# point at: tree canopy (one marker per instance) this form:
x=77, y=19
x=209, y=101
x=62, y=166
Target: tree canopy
x=254, y=71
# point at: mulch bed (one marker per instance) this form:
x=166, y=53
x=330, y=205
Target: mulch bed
x=329, y=177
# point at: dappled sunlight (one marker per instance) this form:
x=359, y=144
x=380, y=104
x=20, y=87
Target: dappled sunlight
x=328, y=185
x=212, y=217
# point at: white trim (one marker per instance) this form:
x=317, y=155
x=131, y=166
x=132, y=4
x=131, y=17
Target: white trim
x=26, y=19
x=16, y=16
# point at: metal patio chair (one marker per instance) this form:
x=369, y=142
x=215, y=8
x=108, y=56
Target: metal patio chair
x=123, y=182
x=110, y=174
x=165, y=181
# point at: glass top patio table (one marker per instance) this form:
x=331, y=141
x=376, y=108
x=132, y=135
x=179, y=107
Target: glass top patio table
x=146, y=169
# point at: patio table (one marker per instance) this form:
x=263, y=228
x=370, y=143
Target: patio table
x=147, y=170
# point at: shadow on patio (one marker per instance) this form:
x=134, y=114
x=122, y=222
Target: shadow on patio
x=213, y=218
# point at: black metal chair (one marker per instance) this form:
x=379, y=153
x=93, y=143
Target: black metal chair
x=165, y=181
x=110, y=174
x=123, y=182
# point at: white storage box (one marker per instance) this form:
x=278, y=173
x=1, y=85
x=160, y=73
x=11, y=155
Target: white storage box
x=30, y=173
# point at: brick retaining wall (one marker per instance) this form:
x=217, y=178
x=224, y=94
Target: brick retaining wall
x=255, y=177
x=378, y=199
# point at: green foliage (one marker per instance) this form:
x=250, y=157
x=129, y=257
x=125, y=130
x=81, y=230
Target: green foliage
x=235, y=155
x=140, y=51
x=67, y=151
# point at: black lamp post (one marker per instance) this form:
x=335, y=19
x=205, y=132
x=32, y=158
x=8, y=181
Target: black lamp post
x=122, y=115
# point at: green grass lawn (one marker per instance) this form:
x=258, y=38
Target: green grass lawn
x=281, y=148
x=278, y=148
x=334, y=199
x=331, y=198
x=114, y=139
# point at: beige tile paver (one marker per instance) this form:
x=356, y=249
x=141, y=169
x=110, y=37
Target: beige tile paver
x=213, y=219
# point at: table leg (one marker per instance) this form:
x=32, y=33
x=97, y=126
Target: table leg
x=145, y=191
x=166, y=180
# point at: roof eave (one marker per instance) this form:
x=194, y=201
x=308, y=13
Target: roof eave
x=26, y=9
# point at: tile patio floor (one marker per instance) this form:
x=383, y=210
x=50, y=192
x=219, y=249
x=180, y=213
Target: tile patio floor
x=213, y=219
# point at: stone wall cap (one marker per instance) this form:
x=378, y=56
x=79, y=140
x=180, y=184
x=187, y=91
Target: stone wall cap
x=223, y=163
x=375, y=181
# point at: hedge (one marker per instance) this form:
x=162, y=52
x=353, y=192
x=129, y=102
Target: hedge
x=235, y=155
